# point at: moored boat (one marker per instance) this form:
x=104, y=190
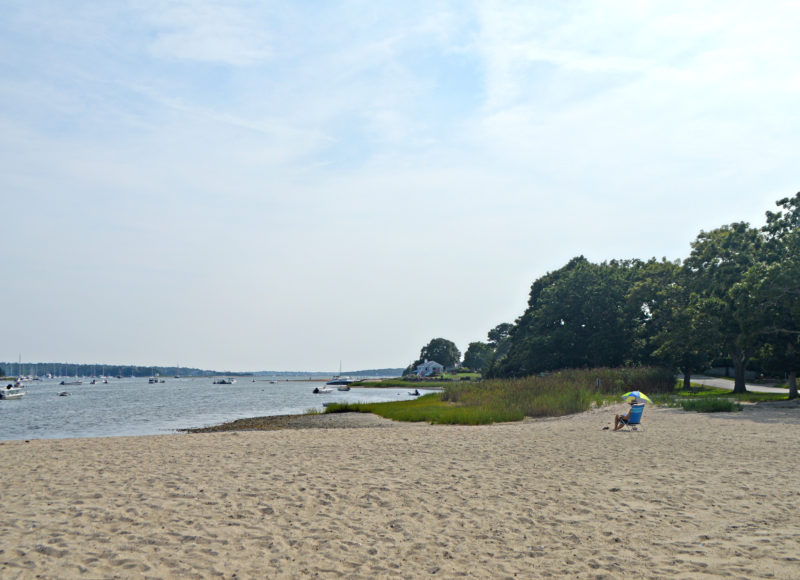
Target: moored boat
x=12, y=391
x=339, y=380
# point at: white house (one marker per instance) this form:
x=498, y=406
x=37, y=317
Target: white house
x=428, y=368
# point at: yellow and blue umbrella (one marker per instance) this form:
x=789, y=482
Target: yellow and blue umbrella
x=638, y=395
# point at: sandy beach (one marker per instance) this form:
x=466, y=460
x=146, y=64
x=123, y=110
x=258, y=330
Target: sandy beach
x=693, y=496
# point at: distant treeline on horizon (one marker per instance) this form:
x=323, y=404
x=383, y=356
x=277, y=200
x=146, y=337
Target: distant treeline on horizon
x=42, y=369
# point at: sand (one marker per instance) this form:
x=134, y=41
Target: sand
x=693, y=496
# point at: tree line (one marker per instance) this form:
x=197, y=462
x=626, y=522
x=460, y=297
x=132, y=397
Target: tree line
x=90, y=370
x=735, y=300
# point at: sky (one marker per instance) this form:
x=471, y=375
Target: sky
x=251, y=185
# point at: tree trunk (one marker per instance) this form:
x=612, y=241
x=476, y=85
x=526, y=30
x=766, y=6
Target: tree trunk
x=739, y=365
x=790, y=354
x=687, y=380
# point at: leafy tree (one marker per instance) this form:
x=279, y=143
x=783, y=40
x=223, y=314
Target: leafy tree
x=687, y=336
x=442, y=351
x=768, y=296
x=576, y=317
x=648, y=298
x=478, y=356
x=672, y=330
x=499, y=343
x=719, y=260
x=500, y=333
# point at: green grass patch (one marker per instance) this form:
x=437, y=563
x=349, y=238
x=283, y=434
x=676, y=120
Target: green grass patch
x=702, y=391
x=432, y=409
x=705, y=399
x=710, y=405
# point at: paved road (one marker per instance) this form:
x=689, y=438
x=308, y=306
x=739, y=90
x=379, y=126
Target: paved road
x=727, y=384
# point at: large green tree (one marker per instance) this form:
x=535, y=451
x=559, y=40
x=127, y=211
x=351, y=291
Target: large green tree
x=499, y=334
x=673, y=331
x=576, y=317
x=478, y=356
x=719, y=260
x=768, y=296
x=442, y=351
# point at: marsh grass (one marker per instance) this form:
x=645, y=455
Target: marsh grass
x=502, y=400
x=430, y=408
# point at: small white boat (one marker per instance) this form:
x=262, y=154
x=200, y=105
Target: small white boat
x=12, y=392
x=322, y=390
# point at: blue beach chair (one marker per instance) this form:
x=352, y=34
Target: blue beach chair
x=635, y=420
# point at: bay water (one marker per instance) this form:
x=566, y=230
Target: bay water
x=132, y=406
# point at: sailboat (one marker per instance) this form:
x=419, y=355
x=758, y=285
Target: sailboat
x=339, y=381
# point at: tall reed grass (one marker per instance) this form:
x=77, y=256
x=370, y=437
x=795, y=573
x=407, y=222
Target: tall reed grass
x=560, y=393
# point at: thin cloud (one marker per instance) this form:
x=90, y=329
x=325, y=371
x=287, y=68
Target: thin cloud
x=209, y=31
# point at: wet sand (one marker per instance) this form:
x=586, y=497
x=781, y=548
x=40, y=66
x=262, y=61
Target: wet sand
x=693, y=496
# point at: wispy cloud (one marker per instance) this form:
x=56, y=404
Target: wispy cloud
x=210, y=31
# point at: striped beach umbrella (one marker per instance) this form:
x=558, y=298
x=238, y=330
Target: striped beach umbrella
x=638, y=395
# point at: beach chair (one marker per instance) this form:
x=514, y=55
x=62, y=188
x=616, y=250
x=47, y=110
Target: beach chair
x=634, y=423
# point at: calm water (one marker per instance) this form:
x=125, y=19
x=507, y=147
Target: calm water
x=135, y=407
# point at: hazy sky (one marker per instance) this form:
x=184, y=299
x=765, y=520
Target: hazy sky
x=283, y=185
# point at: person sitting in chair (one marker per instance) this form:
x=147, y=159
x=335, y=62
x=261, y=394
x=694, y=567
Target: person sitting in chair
x=621, y=420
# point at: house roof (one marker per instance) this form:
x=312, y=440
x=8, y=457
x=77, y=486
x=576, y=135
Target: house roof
x=430, y=363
